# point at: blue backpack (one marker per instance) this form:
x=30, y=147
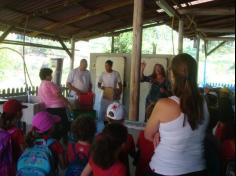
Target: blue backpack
x=38, y=160
x=77, y=166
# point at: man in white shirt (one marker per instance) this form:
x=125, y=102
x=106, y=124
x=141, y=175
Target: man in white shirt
x=79, y=80
x=111, y=84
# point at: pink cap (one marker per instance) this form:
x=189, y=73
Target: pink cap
x=44, y=121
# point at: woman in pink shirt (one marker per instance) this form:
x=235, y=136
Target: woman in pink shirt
x=55, y=103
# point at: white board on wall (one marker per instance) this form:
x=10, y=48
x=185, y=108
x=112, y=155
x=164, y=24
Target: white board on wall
x=118, y=65
x=145, y=87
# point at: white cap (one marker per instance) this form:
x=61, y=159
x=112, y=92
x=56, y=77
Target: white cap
x=115, y=111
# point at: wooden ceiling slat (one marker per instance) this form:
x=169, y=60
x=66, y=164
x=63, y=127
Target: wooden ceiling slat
x=67, y=18
x=90, y=14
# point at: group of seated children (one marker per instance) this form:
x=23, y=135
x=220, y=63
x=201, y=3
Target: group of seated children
x=106, y=153
x=220, y=140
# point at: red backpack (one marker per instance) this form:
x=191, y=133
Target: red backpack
x=6, y=159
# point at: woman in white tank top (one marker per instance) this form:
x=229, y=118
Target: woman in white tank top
x=178, y=124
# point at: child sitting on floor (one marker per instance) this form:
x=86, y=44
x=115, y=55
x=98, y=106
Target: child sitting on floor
x=12, y=113
x=84, y=129
x=104, y=160
x=44, y=154
x=116, y=114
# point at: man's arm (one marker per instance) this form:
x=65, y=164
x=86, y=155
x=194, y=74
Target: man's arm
x=119, y=83
x=90, y=83
x=100, y=82
x=100, y=86
x=72, y=88
x=69, y=82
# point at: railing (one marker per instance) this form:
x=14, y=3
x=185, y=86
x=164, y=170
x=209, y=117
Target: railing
x=11, y=92
x=222, y=85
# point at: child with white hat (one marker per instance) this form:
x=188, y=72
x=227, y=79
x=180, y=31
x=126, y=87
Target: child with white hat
x=116, y=114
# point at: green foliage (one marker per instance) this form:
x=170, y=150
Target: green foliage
x=123, y=43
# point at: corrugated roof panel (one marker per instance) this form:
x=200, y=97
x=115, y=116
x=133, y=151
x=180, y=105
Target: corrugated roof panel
x=10, y=15
x=67, y=12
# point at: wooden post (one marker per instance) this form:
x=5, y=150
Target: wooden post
x=72, y=57
x=136, y=61
x=181, y=36
x=112, y=44
x=198, y=52
x=205, y=63
x=198, y=48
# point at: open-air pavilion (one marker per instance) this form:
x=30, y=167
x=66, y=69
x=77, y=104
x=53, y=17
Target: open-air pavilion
x=70, y=21
x=74, y=20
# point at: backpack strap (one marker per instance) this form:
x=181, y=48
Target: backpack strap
x=50, y=141
x=77, y=154
x=74, y=151
x=47, y=142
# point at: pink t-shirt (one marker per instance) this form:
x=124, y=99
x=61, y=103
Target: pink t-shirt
x=48, y=94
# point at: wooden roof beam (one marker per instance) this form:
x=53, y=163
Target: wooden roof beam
x=192, y=22
x=12, y=42
x=30, y=29
x=64, y=46
x=220, y=39
x=104, y=9
x=216, y=22
x=207, y=11
x=163, y=4
x=86, y=15
x=5, y=33
x=216, y=48
x=212, y=30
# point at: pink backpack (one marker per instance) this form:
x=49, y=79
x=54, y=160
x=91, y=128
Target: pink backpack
x=6, y=160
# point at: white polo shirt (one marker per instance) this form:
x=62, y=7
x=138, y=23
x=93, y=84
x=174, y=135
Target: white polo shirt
x=80, y=80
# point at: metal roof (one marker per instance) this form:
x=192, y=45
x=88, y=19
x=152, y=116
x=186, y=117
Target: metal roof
x=86, y=19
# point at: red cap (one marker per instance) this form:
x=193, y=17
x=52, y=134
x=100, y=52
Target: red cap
x=13, y=106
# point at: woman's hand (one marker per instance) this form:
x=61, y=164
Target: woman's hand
x=156, y=139
x=143, y=65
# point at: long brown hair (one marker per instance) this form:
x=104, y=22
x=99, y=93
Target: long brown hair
x=184, y=69
x=163, y=73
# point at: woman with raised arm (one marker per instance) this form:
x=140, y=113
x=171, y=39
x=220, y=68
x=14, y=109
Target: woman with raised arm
x=160, y=86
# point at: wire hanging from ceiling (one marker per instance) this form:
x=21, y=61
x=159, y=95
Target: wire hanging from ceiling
x=172, y=35
x=26, y=72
